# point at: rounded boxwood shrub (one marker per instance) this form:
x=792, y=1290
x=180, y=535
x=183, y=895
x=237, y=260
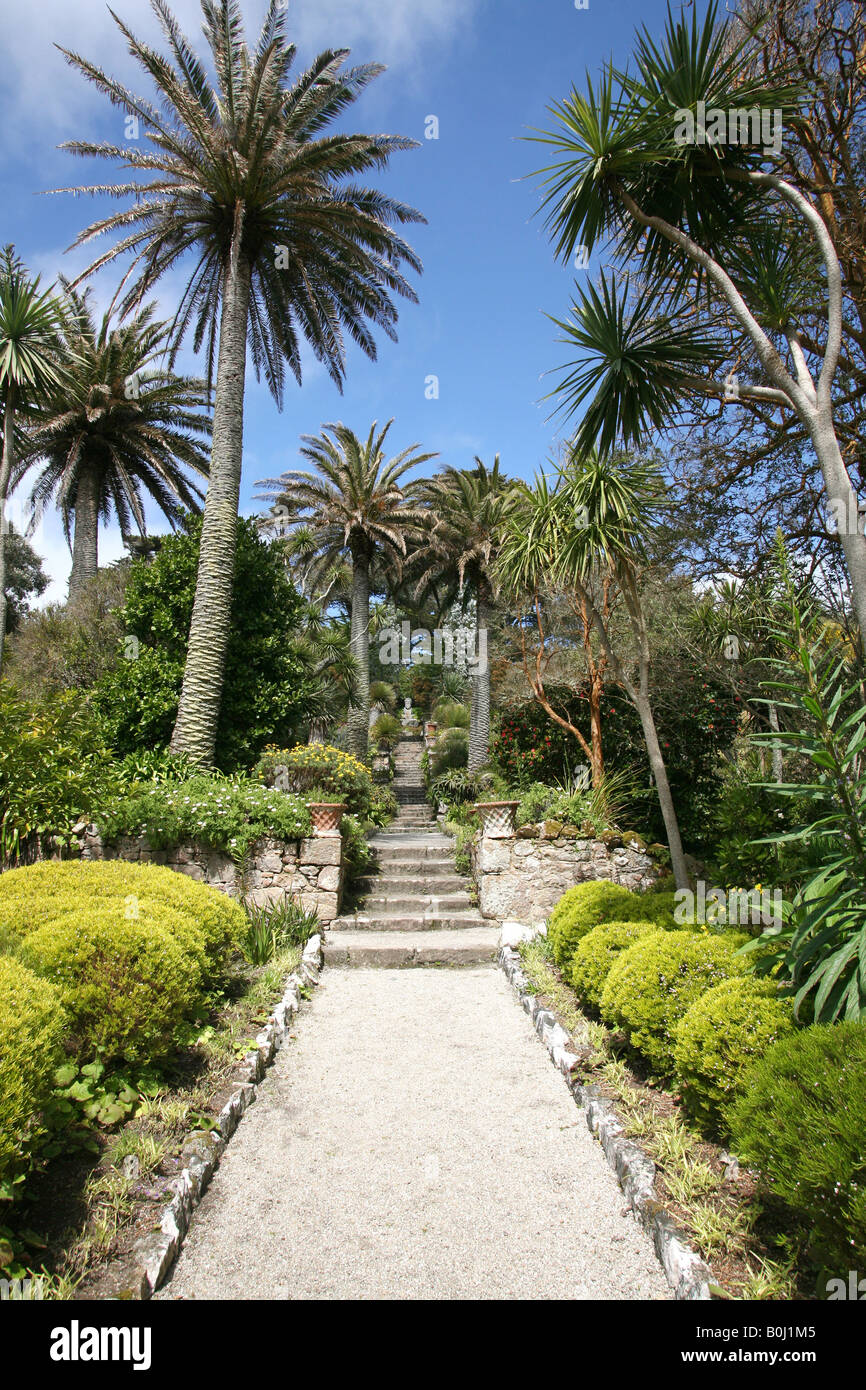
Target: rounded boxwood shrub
x=128, y=987
x=587, y=905
x=800, y=1120
x=597, y=952
x=207, y=922
x=32, y=1026
x=720, y=1037
x=656, y=981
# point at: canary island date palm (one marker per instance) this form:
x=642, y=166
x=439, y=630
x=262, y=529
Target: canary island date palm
x=457, y=557
x=596, y=521
x=238, y=175
x=119, y=425
x=353, y=507
x=663, y=168
x=30, y=323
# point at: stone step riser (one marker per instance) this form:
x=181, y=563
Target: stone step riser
x=415, y=951
x=415, y=922
x=420, y=904
x=400, y=886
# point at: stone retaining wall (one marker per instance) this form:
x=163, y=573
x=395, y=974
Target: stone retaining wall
x=310, y=870
x=523, y=876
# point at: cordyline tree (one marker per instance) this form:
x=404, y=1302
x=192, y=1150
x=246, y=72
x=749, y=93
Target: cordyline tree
x=352, y=507
x=244, y=179
x=596, y=521
x=672, y=167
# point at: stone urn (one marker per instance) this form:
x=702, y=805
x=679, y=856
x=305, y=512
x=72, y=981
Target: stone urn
x=431, y=727
x=497, y=819
x=326, y=816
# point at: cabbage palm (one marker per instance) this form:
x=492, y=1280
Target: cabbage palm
x=243, y=176
x=596, y=521
x=120, y=424
x=352, y=507
x=30, y=324
x=457, y=556
x=736, y=264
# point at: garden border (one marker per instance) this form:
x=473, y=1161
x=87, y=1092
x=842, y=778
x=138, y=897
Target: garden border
x=153, y=1256
x=688, y=1275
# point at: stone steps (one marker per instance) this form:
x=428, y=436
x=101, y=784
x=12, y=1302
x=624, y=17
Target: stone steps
x=417, y=911
x=390, y=949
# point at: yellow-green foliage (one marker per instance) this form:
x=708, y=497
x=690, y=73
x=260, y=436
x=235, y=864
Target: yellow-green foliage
x=596, y=954
x=207, y=923
x=587, y=905
x=32, y=1026
x=127, y=986
x=656, y=981
x=721, y=1035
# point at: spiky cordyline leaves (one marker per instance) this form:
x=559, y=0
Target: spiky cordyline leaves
x=635, y=367
x=120, y=416
x=354, y=500
x=626, y=136
x=31, y=320
x=239, y=167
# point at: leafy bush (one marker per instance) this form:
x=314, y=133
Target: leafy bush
x=225, y=814
x=206, y=923
x=386, y=731
x=382, y=695
x=590, y=809
x=587, y=905
x=154, y=765
x=128, y=986
x=359, y=857
x=70, y=646
x=269, y=675
x=32, y=1025
x=719, y=1038
x=655, y=982
x=457, y=787
x=800, y=1120
x=383, y=806
x=321, y=765
x=596, y=953
x=53, y=769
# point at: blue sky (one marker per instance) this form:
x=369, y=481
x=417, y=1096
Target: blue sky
x=486, y=69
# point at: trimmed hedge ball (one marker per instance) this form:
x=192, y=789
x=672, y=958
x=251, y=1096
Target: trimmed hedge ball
x=656, y=981
x=32, y=1027
x=596, y=954
x=720, y=1037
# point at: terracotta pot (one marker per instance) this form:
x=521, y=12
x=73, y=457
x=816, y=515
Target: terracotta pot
x=432, y=726
x=326, y=816
x=497, y=818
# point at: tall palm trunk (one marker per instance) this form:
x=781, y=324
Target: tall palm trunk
x=359, y=645
x=5, y=476
x=479, y=727
x=85, y=543
x=198, y=714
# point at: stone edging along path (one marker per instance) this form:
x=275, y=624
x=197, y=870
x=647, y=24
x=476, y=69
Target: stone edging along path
x=153, y=1255
x=686, y=1272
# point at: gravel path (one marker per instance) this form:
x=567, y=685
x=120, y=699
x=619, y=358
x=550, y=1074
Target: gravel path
x=413, y=1141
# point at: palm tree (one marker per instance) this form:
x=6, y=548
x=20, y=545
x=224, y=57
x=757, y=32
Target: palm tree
x=118, y=424
x=613, y=499
x=352, y=507
x=287, y=249
x=458, y=556
x=30, y=324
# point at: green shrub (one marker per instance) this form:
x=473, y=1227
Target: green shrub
x=225, y=814
x=450, y=751
x=128, y=986
x=382, y=695
x=320, y=765
x=656, y=981
x=720, y=1037
x=800, y=1120
x=450, y=715
x=209, y=924
x=597, y=952
x=53, y=768
x=32, y=1024
x=587, y=905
